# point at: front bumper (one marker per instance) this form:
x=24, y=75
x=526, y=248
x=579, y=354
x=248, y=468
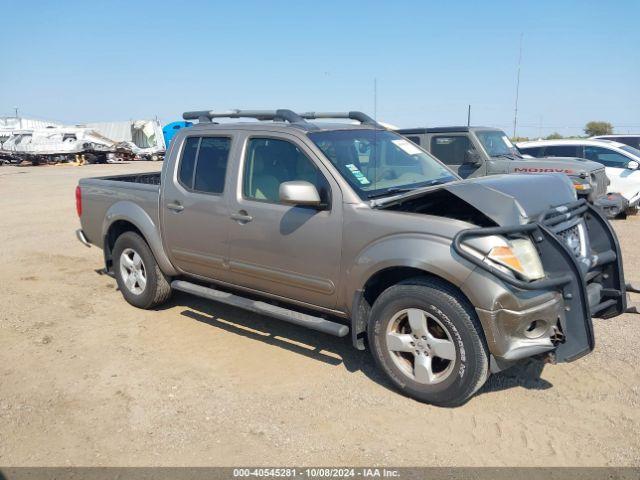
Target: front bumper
x=552, y=314
x=518, y=334
x=612, y=204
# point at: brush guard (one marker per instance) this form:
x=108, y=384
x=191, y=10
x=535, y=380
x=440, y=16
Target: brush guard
x=591, y=286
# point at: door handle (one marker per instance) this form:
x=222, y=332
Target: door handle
x=175, y=206
x=242, y=217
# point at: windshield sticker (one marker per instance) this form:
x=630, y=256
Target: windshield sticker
x=406, y=146
x=358, y=174
x=507, y=142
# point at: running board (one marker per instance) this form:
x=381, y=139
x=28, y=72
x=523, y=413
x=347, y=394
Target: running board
x=291, y=316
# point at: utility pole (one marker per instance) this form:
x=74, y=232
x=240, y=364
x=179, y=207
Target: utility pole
x=540, y=128
x=515, y=113
x=469, y=116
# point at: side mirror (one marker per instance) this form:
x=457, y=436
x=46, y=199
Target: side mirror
x=472, y=157
x=299, y=192
x=633, y=165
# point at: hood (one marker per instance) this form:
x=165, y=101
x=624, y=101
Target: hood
x=504, y=199
x=566, y=165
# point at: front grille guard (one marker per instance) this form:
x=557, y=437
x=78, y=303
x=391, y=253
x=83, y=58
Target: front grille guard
x=564, y=271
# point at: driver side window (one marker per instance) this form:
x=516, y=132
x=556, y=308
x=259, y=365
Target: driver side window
x=270, y=162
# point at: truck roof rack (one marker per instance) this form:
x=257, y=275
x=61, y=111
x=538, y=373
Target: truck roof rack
x=353, y=115
x=280, y=115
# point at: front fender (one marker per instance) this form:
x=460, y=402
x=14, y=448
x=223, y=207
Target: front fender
x=136, y=215
x=430, y=253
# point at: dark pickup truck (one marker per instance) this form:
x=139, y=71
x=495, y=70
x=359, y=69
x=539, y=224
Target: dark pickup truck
x=480, y=151
x=353, y=230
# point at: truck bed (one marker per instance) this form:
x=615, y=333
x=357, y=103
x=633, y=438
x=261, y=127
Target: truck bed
x=100, y=194
x=144, y=178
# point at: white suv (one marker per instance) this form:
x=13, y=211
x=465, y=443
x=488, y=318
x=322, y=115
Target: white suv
x=633, y=140
x=621, y=161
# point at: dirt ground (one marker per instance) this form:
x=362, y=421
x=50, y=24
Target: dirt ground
x=86, y=379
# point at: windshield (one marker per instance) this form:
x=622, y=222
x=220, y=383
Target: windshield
x=633, y=151
x=378, y=162
x=496, y=143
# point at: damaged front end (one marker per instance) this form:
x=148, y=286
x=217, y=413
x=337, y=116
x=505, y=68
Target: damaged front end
x=583, y=265
x=581, y=273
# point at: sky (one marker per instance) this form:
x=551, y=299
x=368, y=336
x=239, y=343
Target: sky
x=410, y=63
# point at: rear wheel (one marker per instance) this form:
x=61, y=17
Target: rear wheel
x=139, y=278
x=428, y=341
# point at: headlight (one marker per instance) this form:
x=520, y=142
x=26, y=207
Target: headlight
x=580, y=186
x=519, y=256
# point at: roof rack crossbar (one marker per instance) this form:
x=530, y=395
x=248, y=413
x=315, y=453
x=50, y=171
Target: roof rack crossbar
x=353, y=115
x=281, y=115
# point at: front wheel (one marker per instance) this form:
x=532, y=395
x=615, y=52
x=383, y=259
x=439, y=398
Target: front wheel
x=139, y=278
x=428, y=340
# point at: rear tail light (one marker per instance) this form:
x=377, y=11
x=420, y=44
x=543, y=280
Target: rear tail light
x=79, y=201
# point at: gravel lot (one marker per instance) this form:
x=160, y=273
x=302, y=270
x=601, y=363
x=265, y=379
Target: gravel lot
x=86, y=379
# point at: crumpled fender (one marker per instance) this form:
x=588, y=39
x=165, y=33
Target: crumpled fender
x=408, y=250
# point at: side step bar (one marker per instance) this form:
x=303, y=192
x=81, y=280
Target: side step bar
x=291, y=316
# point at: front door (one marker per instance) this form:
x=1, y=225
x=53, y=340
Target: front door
x=285, y=250
x=194, y=208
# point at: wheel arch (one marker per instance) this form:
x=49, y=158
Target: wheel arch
x=128, y=217
x=384, y=278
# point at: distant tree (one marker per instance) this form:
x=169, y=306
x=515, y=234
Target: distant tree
x=553, y=136
x=598, y=128
x=519, y=139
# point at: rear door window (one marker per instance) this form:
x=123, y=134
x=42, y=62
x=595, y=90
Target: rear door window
x=451, y=149
x=561, y=151
x=533, y=151
x=211, y=165
x=203, y=165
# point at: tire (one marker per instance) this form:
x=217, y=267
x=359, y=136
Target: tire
x=447, y=364
x=142, y=286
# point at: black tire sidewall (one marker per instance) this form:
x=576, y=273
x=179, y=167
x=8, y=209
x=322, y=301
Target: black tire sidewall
x=461, y=383
x=136, y=243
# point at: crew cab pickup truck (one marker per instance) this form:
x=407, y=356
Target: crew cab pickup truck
x=350, y=229
x=480, y=151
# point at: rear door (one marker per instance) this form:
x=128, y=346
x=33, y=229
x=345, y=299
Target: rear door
x=284, y=250
x=456, y=150
x=194, y=209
